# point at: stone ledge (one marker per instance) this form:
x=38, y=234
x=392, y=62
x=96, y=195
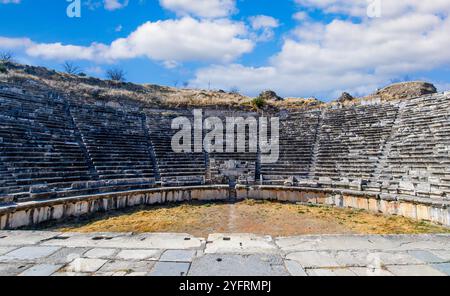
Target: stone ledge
x=14, y=216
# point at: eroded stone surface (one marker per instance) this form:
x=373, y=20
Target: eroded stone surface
x=238, y=265
x=120, y=254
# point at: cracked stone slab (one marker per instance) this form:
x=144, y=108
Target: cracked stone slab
x=64, y=255
x=426, y=256
x=4, y=250
x=85, y=265
x=419, y=242
x=240, y=243
x=139, y=254
x=444, y=268
x=127, y=241
x=238, y=265
x=98, y=253
x=330, y=272
x=445, y=255
x=178, y=255
x=170, y=269
x=125, y=268
x=294, y=268
x=41, y=270
x=364, y=271
x=29, y=253
x=11, y=269
x=414, y=270
x=371, y=258
x=333, y=242
x=20, y=238
x=313, y=259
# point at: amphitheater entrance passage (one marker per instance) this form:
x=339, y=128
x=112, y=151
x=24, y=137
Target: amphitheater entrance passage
x=232, y=171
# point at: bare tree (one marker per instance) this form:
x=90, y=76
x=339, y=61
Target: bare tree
x=71, y=68
x=116, y=74
x=6, y=57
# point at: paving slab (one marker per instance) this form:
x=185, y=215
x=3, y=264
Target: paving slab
x=85, y=265
x=29, y=253
x=178, y=255
x=128, y=241
x=20, y=238
x=240, y=243
x=98, y=253
x=139, y=254
x=170, y=269
x=238, y=265
x=364, y=271
x=419, y=242
x=330, y=272
x=64, y=255
x=333, y=242
x=313, y=259
x=114, y=267
x=12, y=269
x=414, y=270
x=444, y=268
x=79, y=274
x=4, y=250
x=41, y=270
x=127, y=254
x=426, y=256
x=294, y=268
x=444, y=254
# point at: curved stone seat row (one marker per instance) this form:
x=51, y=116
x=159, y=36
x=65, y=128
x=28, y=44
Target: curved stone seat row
x=52, y=147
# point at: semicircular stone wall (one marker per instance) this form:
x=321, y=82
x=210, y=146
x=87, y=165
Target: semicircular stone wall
x=60, y=158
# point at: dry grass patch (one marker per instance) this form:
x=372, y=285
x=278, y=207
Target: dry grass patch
x=269, y=218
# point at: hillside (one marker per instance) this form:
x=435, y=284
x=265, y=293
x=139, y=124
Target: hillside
x=113, y=93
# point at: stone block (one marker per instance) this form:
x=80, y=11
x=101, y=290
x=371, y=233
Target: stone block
x=139, y=254
x=100, y=253
x=238, y=265
x=85, y=265
x=178, y=255
x=414, y=270
x=170, y=269
x=29, y=253
x=41, y=270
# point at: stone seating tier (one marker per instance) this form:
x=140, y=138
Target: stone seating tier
x=50, y=147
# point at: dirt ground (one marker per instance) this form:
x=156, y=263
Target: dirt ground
x=269, y=218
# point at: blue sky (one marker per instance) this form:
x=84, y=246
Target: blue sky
x=298, y=48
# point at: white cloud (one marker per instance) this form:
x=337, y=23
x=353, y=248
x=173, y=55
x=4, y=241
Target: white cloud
x=388, y=8
x=300, y=16
x=325, y=59
x=263, y=21
x=263, y=26
x=115, y=4
x=170, y=41
x=200, y=8
x=14, y=43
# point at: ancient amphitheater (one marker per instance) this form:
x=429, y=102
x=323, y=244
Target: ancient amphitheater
x=61, y=158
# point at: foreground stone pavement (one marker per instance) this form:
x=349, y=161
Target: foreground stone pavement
x=27, y=253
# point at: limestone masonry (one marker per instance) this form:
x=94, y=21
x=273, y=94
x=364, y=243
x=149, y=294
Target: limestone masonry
x=61, y=157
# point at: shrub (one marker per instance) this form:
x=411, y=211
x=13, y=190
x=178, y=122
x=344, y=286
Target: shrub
x=3, y=69
x=258, y=102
